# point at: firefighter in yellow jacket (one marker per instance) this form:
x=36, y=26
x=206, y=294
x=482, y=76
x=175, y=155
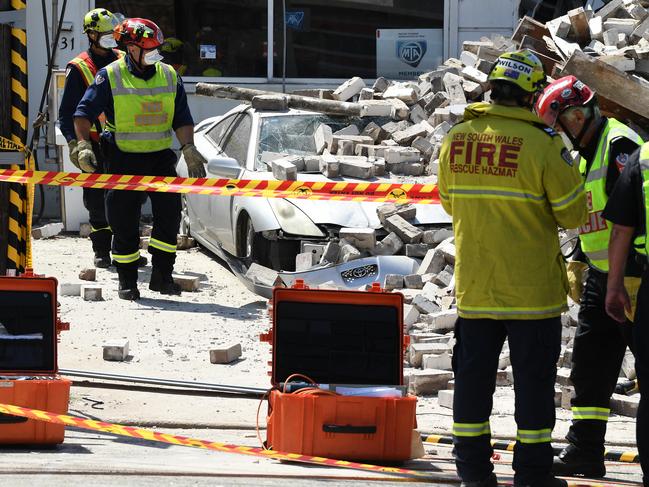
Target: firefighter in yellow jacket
x=508, y=182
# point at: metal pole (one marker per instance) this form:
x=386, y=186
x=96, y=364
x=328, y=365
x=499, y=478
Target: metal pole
x=165, y=382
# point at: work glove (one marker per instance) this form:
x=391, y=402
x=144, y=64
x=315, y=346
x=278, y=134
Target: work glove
x=576, y=276
x=195, y=161
x=74, y=152
x=86, y=157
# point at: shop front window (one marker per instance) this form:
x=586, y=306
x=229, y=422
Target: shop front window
x=338, y=38
x=219, y=38
x=330, y=39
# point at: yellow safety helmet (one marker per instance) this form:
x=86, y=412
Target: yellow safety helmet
x=171, y=44
x=99, y=20
x=522, y=68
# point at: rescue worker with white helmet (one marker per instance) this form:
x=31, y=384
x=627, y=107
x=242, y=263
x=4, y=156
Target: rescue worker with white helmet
x=145, y=103
x=508, y=180
x=600, y=343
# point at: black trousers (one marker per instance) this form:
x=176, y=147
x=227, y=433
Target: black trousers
x=641, y=351
x=599, y=348
x=124, y=210
x=534, y=350
x=94, y=200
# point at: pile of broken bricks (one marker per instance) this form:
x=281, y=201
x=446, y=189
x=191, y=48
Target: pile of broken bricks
x=418, y=114
x=607, y=49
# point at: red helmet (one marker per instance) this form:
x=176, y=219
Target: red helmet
x=560, y=95
x=140, y=32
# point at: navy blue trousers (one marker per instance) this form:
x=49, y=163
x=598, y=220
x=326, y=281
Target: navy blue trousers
x=534, y=350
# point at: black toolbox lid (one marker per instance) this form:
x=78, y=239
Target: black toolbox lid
x=28, y=325
x=338, y=337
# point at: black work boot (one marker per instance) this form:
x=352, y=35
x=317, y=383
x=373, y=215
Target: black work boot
x=490, y=481
x=164, y=283
x=128, y=284
x=102, y=259
x=573, y=461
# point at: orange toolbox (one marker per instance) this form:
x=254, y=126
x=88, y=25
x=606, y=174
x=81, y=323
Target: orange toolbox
x=29, y=328
x=349, y=338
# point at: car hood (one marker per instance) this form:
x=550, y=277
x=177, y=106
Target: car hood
x=355, y=213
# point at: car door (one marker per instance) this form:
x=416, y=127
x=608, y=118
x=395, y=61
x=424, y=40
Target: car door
x=233, y=141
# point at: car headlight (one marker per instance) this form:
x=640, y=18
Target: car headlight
x=293, y=220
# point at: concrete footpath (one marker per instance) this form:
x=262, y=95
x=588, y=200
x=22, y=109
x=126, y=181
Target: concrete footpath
x=93, y=459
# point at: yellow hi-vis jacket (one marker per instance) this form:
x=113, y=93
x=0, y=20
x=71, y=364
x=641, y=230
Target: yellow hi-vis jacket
x=508, y=181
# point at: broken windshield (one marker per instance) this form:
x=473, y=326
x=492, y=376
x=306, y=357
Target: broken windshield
x=293, y=134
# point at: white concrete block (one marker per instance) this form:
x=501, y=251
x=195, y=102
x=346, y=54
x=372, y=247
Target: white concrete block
x=116, y=350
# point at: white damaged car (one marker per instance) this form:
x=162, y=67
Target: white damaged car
x=272, y=231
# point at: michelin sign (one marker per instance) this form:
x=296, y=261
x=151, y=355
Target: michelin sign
x=405, y=54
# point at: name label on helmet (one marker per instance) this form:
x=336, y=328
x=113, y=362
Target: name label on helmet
x=516, y=66
x=488, y=154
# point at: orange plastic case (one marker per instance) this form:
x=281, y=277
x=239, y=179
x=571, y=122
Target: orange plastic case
x=339, y=337
x=29, y=328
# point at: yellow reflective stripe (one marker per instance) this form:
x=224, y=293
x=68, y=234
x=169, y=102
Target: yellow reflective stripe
x=93, y=229
x=471, y=429
x=564, y=201
x=535, y=436
x=126, y=259
x=600, y=414
x=512, y=310
x=495, y=193
x=160, y=245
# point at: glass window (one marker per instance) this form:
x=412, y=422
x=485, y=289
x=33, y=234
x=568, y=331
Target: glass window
x=293, y=134
x=217, y=132
x=338, y=38
x=237, y=139
x=207, y=38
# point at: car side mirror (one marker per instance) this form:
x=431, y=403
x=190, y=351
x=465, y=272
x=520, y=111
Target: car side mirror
x=224, y=166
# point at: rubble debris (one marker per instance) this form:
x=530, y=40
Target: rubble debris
x=187, y=283
x=47, y=231
x=225, y=355
x=85, y=229
x=116, y=350
x=91, y=293
x=88, y=274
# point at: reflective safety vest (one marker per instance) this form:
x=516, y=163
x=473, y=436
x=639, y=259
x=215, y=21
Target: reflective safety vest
x=508, y=181
x=88, y=70
x=595, y=234
x=144, y=109
x=644, y=169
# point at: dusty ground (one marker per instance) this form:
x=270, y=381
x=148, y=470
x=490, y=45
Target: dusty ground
x=170, y=337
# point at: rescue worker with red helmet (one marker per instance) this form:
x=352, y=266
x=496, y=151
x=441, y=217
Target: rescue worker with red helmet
x=508, y=180
x=605, y=145
x=98, y=24
x=145, y=103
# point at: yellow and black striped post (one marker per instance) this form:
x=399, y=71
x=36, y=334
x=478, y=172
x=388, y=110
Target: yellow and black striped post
x=18, y=239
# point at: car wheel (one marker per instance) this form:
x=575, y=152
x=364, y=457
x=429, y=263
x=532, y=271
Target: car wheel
x=184, y=218
x=253, y=247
